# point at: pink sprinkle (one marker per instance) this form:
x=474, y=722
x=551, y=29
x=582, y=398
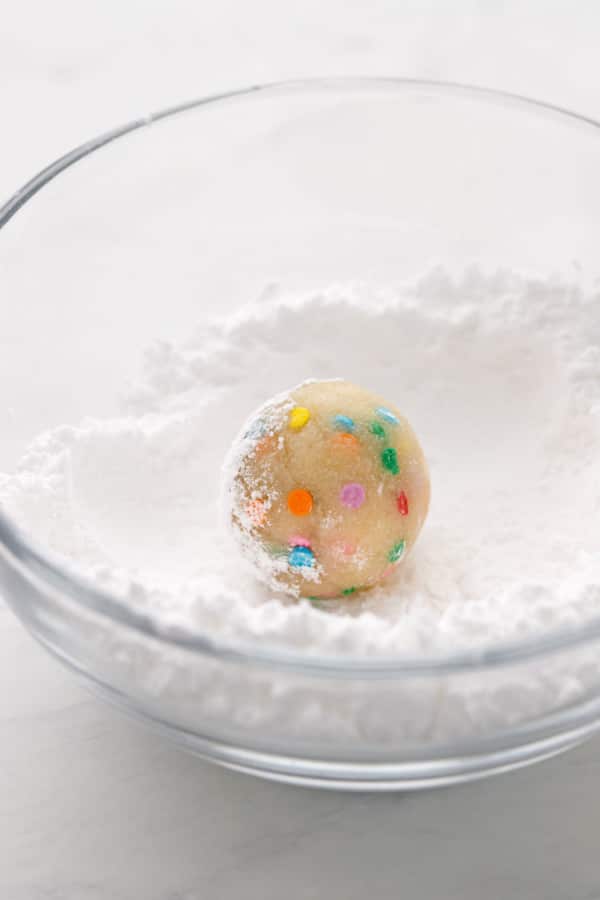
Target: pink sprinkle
x=343, y=548
x=388, y=571
x=296, y=540
x=352, y=495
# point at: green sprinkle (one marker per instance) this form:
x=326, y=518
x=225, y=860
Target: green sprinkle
x=314, y=599
x=277, y=549
x=347, y=591
x=377, y=429
x=389, y=458
x=397, y=551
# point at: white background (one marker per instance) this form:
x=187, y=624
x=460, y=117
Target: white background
x=91, y=806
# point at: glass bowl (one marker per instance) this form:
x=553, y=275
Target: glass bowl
x=140, y=233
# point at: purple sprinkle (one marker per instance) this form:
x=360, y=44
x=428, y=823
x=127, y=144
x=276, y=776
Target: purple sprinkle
x=352, y=495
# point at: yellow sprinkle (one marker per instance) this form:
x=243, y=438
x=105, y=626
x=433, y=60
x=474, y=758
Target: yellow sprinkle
x=299, y=416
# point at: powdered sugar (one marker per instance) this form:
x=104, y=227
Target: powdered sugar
x=500, y=376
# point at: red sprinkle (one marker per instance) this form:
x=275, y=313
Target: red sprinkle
x=402, y=503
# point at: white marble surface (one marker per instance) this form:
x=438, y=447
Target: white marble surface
x=93, y=807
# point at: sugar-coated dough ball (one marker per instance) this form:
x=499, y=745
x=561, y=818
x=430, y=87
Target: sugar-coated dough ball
x=326, y=489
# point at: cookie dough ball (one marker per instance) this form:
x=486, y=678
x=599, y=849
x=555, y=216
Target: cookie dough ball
x=326, y=489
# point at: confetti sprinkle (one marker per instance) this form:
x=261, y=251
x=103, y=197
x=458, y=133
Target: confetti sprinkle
x=343, y=548
x=344, y=440
x=377, y=429
x=343, y=423
x=299, y=416
x=387, y=415
x=300, y=502
x=301, y=558
x=348, y=591
x=389, y=459
x=397, y=552
x=352, y=495
x=276, y=550
x=402, y=503
x=296, y=540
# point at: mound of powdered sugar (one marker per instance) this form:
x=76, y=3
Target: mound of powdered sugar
x=500, y=376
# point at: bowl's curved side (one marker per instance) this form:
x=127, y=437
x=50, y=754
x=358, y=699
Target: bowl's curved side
x=21, y=557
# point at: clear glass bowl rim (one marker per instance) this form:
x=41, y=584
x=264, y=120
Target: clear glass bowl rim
x=52, y=579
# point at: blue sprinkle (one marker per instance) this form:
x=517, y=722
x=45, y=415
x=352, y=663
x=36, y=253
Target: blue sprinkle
x=257, y=429
x=343, y=423
x=387, y=415
x=301, y=557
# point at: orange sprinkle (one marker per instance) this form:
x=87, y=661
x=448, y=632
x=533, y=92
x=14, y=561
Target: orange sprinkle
x=346, y=440
x=257, y=512
x=300, y=502
x=267, y=445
